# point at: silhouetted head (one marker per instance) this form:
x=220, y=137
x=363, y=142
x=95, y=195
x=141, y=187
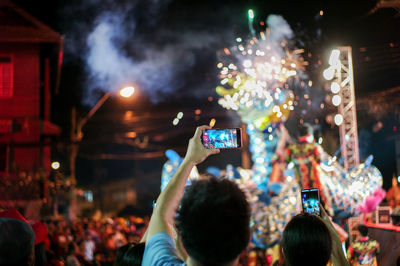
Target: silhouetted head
x=213, y=221
x=306, y=241
x=16, y=242
x=363, y=230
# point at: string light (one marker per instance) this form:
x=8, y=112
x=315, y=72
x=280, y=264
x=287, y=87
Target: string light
x=335, y=87
x=338, y=119
x=336, y=100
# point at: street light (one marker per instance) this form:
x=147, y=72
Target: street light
x=77, y=135
x=127, y=92
x=55, y=165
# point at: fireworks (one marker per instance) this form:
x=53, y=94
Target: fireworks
x=254, y=79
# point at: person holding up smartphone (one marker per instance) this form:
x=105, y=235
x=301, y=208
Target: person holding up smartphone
x=312, y=240
x=213, y=218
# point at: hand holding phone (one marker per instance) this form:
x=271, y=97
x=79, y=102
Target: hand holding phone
x=310, y=201
x=196, y=153
x=228, y=138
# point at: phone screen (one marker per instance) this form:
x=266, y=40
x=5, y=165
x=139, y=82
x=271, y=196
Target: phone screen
x=310, y=201
x=222, y=138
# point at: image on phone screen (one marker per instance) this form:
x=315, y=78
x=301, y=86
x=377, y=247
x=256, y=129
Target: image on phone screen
x=310, y=201
x=221, y=138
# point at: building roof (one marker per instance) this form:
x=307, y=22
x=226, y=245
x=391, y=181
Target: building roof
x=16, y=25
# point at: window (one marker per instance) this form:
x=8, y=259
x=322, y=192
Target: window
x=6, y=76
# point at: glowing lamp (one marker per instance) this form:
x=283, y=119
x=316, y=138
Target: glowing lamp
x=127, y=92
x=334, y=58
x=212, y=122
x=335, y=87
x=131, y=134
x=251, y=14
x=336, y=100
x=55, y=165
x=329, y=73
x=338, y=119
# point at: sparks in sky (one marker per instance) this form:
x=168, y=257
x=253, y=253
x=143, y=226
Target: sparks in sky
x=254, y=77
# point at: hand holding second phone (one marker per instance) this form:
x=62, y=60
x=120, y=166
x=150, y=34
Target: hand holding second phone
x=338, y=257
x=196, y=152
x=327, y=221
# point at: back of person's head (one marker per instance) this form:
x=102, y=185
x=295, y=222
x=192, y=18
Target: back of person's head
x=363, y=230
x=130, y=254
x=305, y=129
x=213, y=221
x=306, y=241
x=16, y=242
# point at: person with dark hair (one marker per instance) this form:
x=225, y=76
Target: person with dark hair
x=213, y=221
x=16, y=243
x=311, y=240
x=302, y=235
x=218, y=207
x=363, y=251
x=130, y=254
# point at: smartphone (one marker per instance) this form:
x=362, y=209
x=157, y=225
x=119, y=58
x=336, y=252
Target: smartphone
x=228, y=138
x=310, y=201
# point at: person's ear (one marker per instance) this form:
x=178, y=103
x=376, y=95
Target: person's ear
x=281, y=256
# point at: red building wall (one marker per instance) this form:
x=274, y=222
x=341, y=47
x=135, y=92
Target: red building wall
x=24, y=106
x=25, y=101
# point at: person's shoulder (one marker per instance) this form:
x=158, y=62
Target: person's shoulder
x=160, y=250
x=160, y=237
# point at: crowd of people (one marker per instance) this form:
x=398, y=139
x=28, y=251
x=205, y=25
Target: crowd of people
x=82, y=242
x=207, y=223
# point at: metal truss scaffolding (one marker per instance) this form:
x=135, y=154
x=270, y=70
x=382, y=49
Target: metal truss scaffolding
x=347, y=108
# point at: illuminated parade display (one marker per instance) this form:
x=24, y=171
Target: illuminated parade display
x=256, y=80
x=295, y=109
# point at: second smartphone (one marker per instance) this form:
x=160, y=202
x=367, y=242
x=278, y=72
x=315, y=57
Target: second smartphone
x=310, y=201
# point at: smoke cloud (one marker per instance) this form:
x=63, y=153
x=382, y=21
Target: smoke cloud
x=279, y=28
x=129, y=45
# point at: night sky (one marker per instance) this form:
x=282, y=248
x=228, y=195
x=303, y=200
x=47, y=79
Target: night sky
x=169, y=51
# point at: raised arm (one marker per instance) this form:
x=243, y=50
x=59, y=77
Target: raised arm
x=168, y=201
x=337, y=258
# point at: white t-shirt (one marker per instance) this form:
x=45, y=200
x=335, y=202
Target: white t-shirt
x=89, y=249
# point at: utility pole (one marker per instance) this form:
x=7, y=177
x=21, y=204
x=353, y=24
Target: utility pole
x=76, y=136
